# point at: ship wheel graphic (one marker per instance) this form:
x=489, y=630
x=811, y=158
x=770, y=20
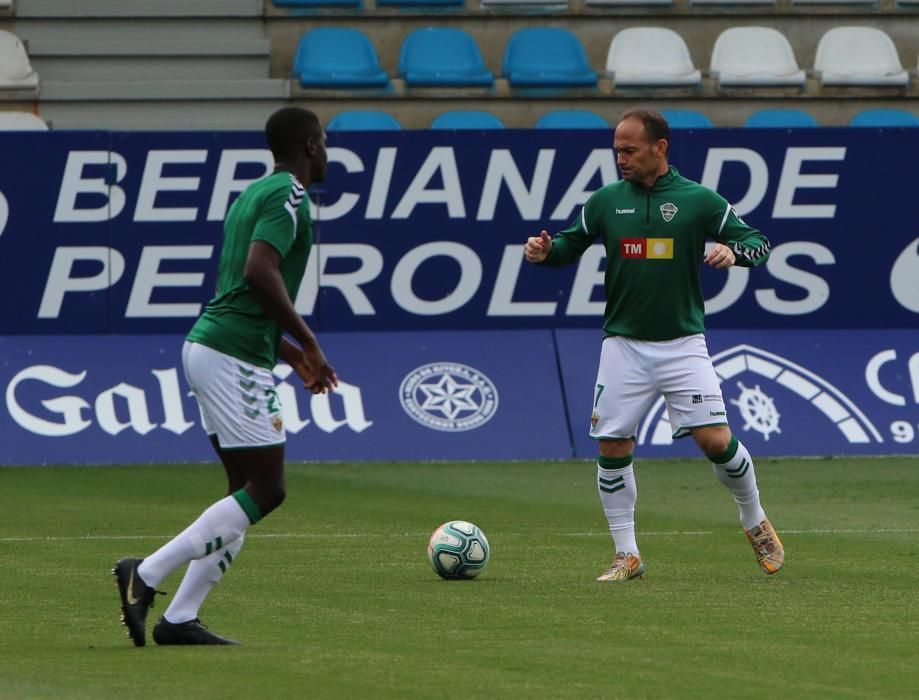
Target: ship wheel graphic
x=757, y=410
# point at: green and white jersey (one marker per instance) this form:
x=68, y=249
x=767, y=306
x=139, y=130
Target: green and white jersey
x=654, y=243
x=275, y=210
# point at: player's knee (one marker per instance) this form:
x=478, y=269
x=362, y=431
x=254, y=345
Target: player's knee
x=713, y=441
x=616, y=448
x=268, y=495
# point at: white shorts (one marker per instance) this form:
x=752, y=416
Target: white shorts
x=634, y=373
x=237, y=400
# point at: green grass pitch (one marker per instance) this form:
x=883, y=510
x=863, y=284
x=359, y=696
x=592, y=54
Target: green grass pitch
x=333, y=596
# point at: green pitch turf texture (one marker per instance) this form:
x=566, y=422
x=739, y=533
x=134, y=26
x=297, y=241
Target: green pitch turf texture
x=333, y=596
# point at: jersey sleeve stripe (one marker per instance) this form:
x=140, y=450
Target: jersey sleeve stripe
x=724, y=219
x=584, y=220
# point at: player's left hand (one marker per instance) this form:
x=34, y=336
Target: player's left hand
x=720, y=257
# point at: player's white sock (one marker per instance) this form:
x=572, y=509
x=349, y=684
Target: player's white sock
x=214, y=529
x=201, y=576
x=616, y=486
x=735, y=470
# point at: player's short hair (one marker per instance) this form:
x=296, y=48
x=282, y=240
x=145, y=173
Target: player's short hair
x=288, y=129
x=656, y=126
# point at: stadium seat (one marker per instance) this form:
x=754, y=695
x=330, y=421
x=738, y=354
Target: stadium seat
x=21, y=121
x=546, y=57
x=533, y=3
x=318, y=3
x=358, y=120
x=754, y=56
x=620, y=3
x=421, y=3
x=885, y=117
x=834, y=2
x=858, y=56
x=571, y=119
x=15, y=68
x=334, y=57
x=462, y=119
x=780, y=119
x=442, y=56
x=650, y=56
x=732, y=2
x=686, y=119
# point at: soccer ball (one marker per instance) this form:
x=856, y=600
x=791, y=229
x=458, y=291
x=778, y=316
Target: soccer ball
x=458, y=550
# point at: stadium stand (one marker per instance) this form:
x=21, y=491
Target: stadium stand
x=178, y=64
x=754, y=56
x=571, y=119
x=442, y=56
x=21, y=121
x=884, y=117
x=858, y=56
x=650, y=56
x=318, y=3
x=421, y=3
x=467, y=119
x=15, y=69
x=338, y=57
x=780, y=118
x=363, y=121
x=546, y=57
x=204, y=64
x=686, y=119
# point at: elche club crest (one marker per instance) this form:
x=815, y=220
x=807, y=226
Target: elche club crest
x=448, y=396
x=669, y=210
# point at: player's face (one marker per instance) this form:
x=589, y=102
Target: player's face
x=320, y=158
x=639, y=159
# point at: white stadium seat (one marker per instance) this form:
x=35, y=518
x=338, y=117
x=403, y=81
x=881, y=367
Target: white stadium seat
x=650, y=56
x=858, y=56
x=21, y=121
x=751, y=56
x=732, y=2
x=15, y=69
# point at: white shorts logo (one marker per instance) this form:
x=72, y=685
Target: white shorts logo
x=448, y=396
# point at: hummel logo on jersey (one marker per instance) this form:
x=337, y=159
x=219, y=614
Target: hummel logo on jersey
x=626, y=211
x=647, y=248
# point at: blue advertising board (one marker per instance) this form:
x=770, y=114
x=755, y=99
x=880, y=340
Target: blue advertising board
x=456, y=395
x=786, y=392
x=403, y=396
x=119, y=232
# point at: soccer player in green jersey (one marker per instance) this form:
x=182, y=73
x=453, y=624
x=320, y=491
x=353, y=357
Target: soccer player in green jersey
x=228, y=358
x=654, y=224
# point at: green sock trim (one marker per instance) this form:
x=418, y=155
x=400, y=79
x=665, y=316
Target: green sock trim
x=252, y=511
x=614, y=462
x=728, y=454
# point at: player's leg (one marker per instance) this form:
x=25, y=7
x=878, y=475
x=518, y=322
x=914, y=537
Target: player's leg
x=623, y=393
x=696, y=407
x=203, y=574
x=239, y=404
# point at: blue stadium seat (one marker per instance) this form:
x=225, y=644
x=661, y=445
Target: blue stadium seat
x=358, y=120
x=546, y=57
x=467, y=120
x=306, y=4
x=780, y=118
x=571, y=119
x=885, y=117
x=442, y=56
x=333, y=57
x=686, y=119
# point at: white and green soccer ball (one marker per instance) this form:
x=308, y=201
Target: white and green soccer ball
x=458, y=550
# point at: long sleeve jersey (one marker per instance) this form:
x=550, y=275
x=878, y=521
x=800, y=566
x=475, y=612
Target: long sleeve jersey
x=654, y=242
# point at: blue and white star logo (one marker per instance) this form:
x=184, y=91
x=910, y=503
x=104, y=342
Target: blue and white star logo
x=448, y=396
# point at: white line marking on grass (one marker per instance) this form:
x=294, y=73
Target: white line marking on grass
x=370, y=535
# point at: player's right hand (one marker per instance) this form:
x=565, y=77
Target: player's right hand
x=537, y=248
